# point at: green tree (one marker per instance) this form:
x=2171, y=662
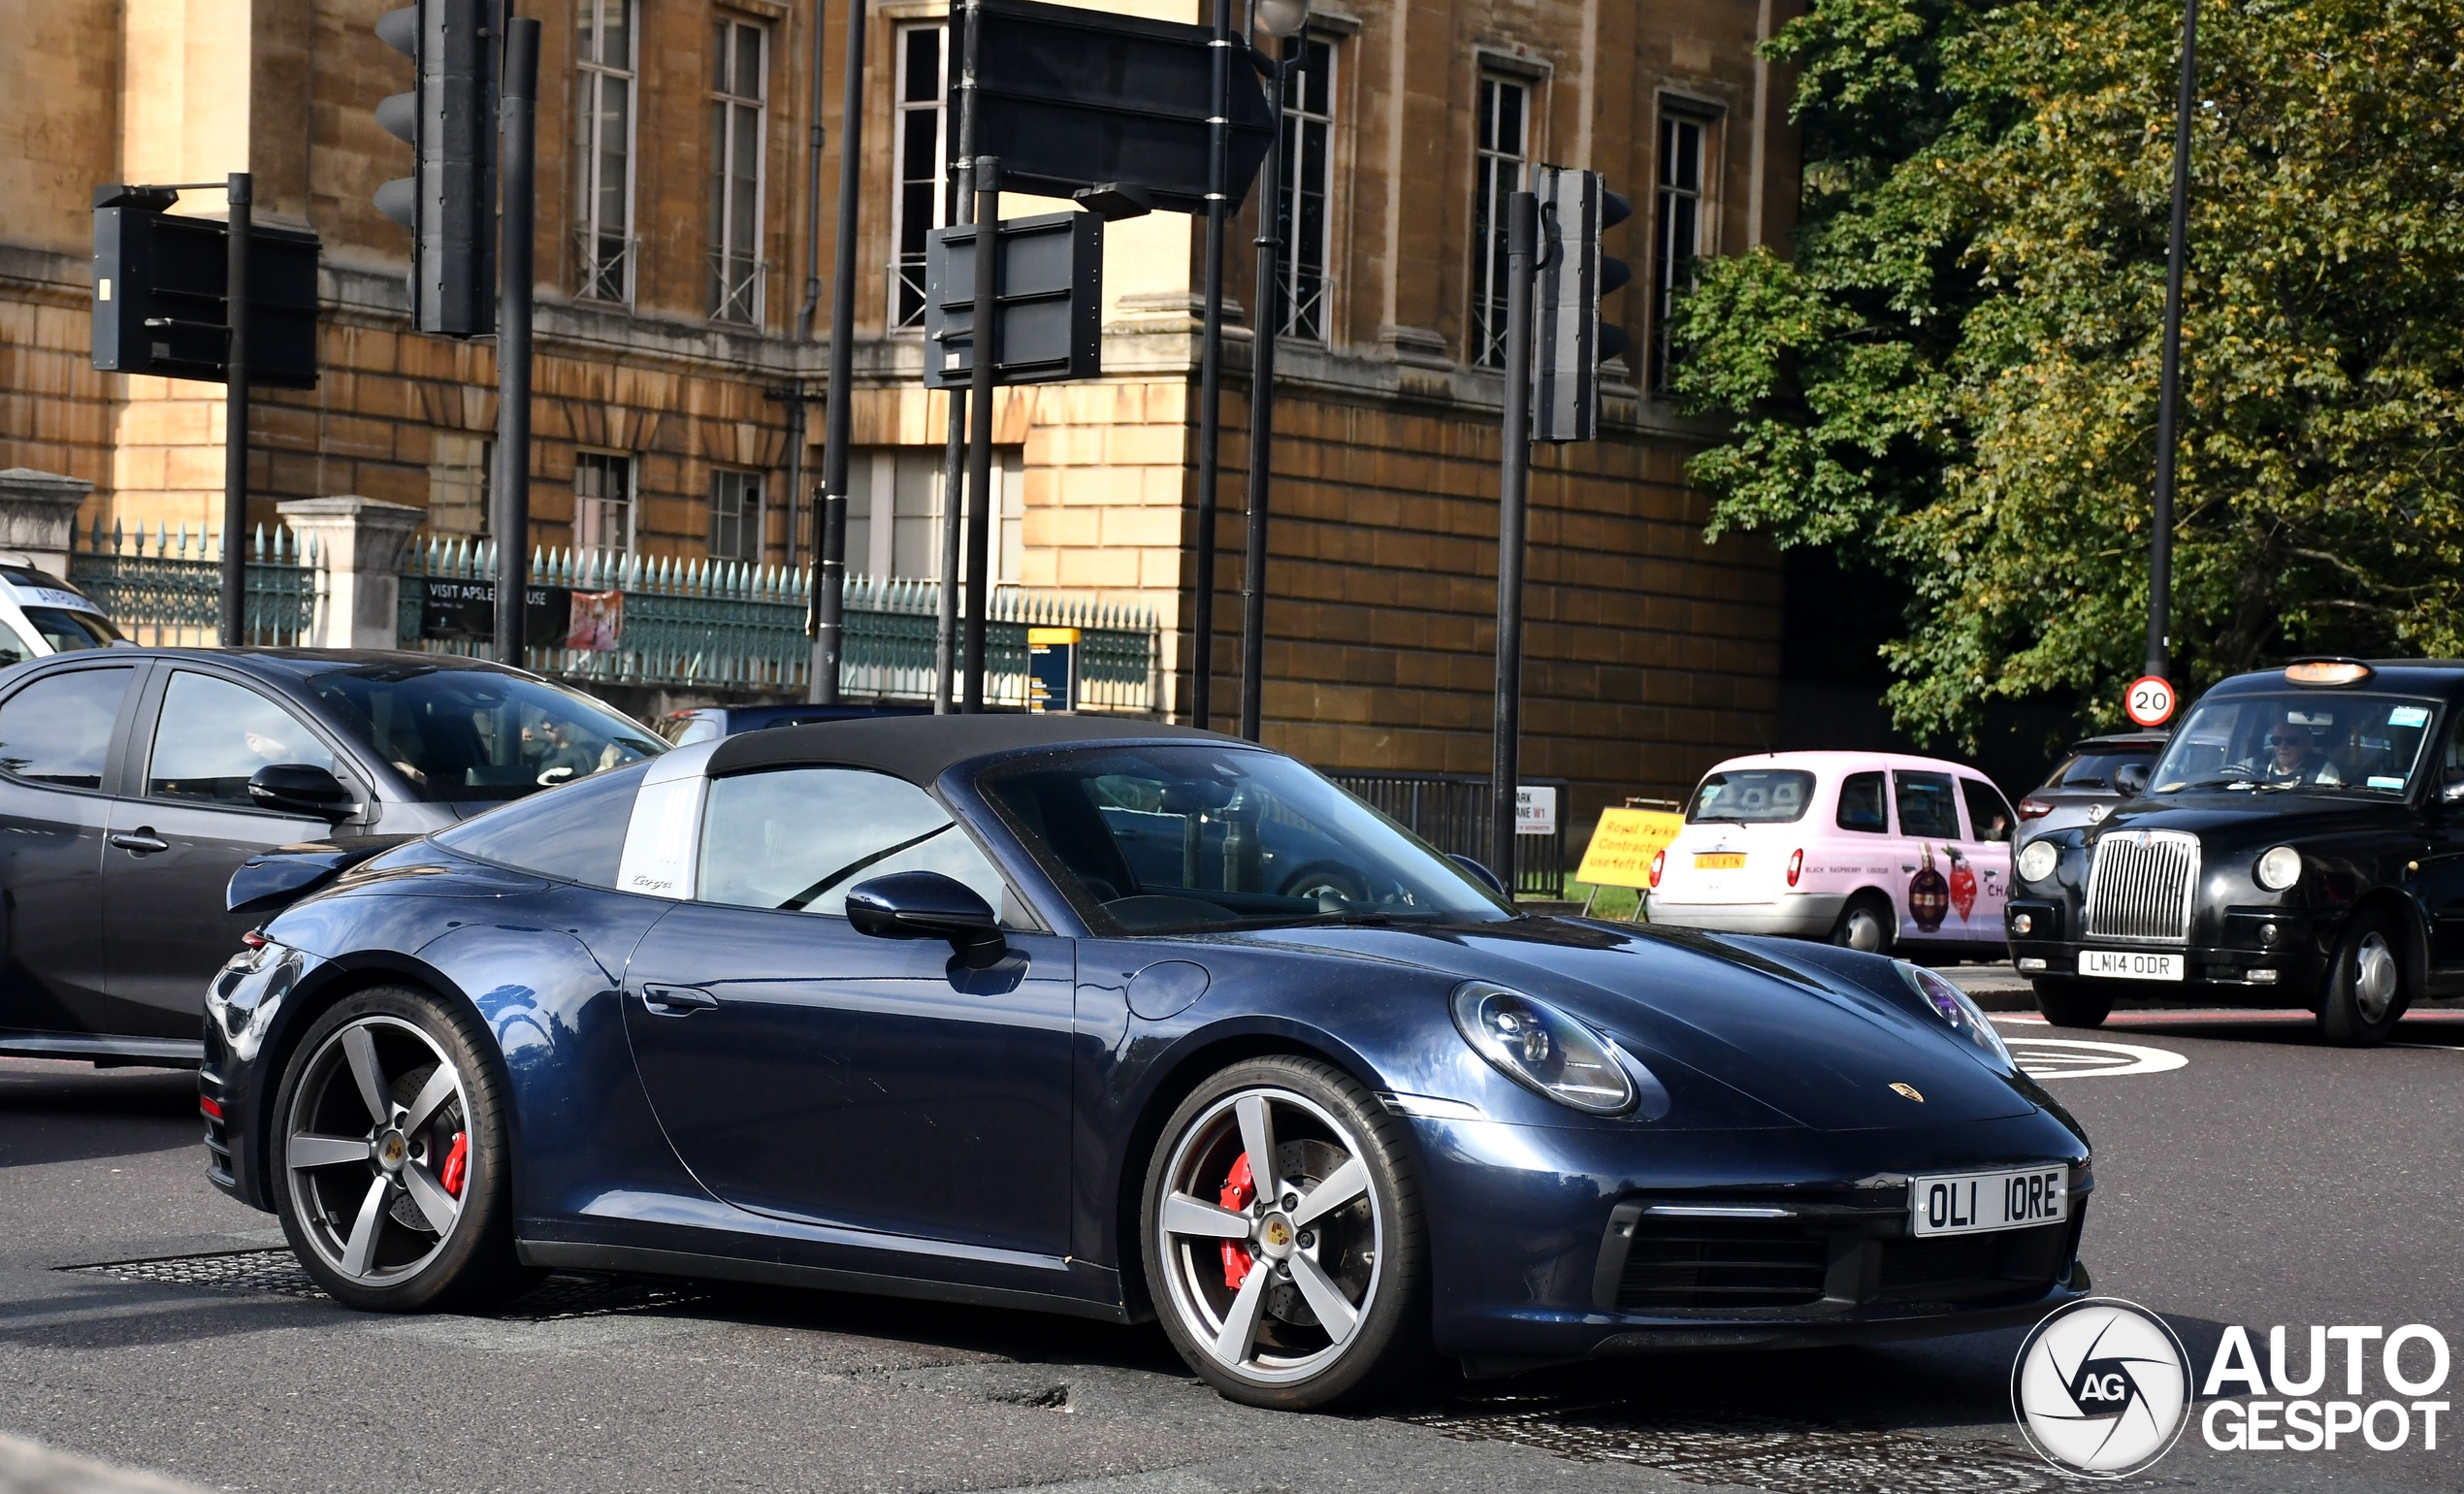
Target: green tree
x=1955, y=376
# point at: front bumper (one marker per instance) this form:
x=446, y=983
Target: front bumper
x=2266, y=956
x=1796, y=916
x=1545, y=1249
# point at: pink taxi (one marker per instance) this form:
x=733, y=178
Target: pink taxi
x=1872, y=850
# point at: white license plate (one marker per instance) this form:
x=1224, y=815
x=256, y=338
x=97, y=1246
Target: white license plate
x=2130, y=965
x=1974, y=1203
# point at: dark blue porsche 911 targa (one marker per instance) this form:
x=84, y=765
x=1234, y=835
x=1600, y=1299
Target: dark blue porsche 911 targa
x=928, y=1007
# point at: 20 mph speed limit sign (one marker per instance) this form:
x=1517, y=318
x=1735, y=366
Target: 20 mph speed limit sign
x=2149, y=701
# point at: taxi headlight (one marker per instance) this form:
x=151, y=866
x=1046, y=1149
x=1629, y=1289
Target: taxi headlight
x=1543, y=1049
x=1952, y=1006
x=2280, y=868
x=2037, y=860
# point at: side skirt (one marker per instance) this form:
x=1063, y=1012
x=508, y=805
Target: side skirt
x=168, y=1053
x=573, y=1255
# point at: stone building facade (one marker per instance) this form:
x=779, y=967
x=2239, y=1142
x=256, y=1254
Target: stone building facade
x=673, y=253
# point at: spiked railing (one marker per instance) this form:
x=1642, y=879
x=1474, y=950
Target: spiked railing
x=166, y=587
x=736, y=625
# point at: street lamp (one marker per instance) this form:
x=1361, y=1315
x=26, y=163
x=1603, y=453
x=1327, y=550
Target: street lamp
x=1281, y=20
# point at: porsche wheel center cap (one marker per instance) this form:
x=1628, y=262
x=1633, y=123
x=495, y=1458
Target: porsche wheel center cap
x=392, y=1149
x=1275, y=1235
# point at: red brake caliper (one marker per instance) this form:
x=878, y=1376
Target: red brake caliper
x=457, y=1162
x=1238, y=1188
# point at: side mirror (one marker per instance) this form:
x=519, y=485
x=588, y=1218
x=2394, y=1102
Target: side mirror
x=2452, y=790
x=300, y=789
x=2130, y=779
x=927, y=905
x=1480, y=874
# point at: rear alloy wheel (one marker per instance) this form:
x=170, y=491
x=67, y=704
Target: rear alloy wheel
x=2072, y=1004
x=1865, y=924
x=2366, y=993
x=391, y=1148
x=1284, y=1237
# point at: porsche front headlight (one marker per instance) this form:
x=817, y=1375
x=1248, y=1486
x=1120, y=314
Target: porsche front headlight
x=1543, y=1049
x=1953, y=1006
x=2037, y=860
x=2280, y=868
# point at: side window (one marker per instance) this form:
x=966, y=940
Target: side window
x=1860, y=804
x=797, y=839
x=58, y=730
x=213, y=736
x=1926, y=807
x=13, y=648
x=576, y=833
x=1988, y=815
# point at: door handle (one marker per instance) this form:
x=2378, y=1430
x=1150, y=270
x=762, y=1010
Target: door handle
x=677, y=1001
x=143, y=840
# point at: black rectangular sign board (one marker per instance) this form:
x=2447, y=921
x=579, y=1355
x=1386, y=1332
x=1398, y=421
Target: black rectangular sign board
x=463, y=611
x=159, y=283
x=1071, y=98
x=1047, y=304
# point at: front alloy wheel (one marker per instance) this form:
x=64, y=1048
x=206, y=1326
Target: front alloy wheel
x=2365, y=996
x=1282, y=1236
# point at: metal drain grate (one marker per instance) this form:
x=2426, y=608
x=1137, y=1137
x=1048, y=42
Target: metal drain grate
x=1755, y=1452
x=279, y=1273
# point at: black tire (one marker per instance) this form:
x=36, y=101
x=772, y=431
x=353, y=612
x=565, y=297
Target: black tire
x=407, y=1263
x=1867, y=924
x=2067, y=1003
x=2367, y=989
x=1292, y=1361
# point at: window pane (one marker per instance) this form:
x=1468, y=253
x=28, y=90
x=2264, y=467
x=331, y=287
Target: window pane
x=214, y=736
x=57, y=730
x=1756, y=795
x=1925, y=805
x=798, y=839
x=576, y=834
x=1988, y=818
x=748, y=62
x=472, y=734
x=1861, y=805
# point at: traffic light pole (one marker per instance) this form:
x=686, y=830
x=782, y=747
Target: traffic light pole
x=234, y=434
x=983, y=505
x=1210, y=370
x=515, y=262
x=2169, y=388
x=1268, y=322
x=954, y=461
x=830, y=574
x=1522, y=235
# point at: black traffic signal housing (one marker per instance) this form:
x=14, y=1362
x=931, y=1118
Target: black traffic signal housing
x=160, y=278
x=1570, y=341
x=448, y=202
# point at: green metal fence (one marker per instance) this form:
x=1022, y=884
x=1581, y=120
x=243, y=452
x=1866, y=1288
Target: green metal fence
x=166, y=588
x=728, y=625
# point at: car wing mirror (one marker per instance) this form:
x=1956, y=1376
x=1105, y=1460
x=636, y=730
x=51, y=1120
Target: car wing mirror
x=928, y=905
x=2130, y=779
x=2452, y=790
x=1480, y=874
x=301, y=789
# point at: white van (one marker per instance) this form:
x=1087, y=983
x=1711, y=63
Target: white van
x=41, y=614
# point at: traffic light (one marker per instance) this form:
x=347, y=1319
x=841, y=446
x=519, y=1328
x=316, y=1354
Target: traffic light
x=1570, y=340
x=448, y=202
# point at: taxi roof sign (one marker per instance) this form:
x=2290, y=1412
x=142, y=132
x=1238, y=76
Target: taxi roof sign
x=2327, y=671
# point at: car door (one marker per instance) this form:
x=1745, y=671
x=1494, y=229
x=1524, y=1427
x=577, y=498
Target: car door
x=804, y=1069
x=181, y=832
x=1978, y=898
x=1925, y=808
x=2439, y=884
x=57, y=734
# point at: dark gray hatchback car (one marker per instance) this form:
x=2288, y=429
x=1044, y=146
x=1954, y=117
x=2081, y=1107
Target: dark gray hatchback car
x=135, y=782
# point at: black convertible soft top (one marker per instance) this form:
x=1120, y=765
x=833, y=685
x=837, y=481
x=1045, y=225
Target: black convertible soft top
x=922, y=748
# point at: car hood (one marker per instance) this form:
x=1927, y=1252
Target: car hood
x=1817, y=1047
x=2279, y=814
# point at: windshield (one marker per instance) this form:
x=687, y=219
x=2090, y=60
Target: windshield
x=1199, y=838
x=461, y=734
x=66, y=630
x=2094, y=767
x=2364, y=745
x=1753, y=796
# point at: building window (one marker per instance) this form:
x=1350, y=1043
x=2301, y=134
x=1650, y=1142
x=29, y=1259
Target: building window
x=1309, y=177
x=738, y=82
x=736, y=515
x=1676, y=240
x=602, y=501
x=457, y=483
x=603, y=148
x=893, y=512
x=921, y=202
x=1505, y=144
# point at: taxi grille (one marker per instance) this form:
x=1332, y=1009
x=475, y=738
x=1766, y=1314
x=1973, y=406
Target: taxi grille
x=2139, y=886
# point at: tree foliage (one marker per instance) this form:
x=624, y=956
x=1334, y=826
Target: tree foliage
x=1954, y=377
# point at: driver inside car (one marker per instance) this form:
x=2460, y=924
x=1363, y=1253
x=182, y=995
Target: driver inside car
x=2293, y=757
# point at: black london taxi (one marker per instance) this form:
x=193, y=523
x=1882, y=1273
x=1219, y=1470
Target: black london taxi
x=2300, y=843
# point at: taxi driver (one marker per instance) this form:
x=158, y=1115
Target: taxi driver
x=2293, y=757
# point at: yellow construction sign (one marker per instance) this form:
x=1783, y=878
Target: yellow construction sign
x=1623, y=845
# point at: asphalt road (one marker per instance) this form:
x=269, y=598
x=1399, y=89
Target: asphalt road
x=2263, y=1181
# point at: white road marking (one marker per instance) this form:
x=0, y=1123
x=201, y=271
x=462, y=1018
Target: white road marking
x=2055, y=1058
